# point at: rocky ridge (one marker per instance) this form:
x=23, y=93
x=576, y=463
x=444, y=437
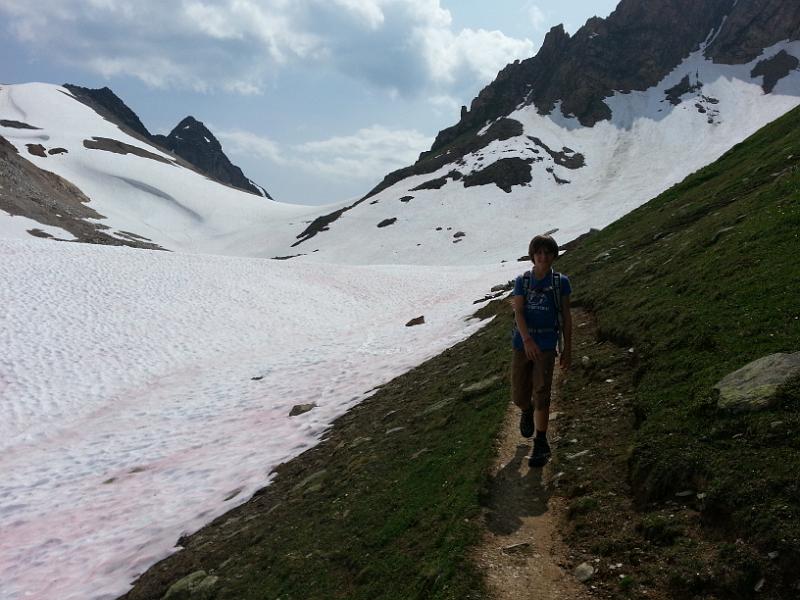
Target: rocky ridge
x=190, y=139
x=631, y=49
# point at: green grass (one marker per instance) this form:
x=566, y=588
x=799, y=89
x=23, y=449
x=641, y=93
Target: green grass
x=700, y=281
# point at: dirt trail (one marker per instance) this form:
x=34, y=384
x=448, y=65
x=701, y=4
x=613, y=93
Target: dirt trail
x=521, y=552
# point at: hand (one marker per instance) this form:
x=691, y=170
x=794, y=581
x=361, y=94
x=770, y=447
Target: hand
x=565, y=361
x=532, y=351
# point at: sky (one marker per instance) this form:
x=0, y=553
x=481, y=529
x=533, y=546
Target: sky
x=316, y=100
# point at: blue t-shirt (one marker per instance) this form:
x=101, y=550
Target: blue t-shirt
x=540, y=310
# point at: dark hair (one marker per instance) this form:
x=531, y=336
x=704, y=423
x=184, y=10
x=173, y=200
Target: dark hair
x=543, y=241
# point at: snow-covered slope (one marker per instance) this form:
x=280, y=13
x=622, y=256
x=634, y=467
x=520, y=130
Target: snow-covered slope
x=580, y=177
x=648, y=145
x=137, y=187
x=144, y=393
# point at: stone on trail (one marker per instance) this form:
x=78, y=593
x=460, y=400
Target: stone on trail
x=583, y=572
x=514, y=548
x=754, y=386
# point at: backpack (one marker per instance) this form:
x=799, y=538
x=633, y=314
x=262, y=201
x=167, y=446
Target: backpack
x=556, y=278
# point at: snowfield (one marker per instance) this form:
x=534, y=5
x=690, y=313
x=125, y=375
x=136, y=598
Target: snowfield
x=130, y=414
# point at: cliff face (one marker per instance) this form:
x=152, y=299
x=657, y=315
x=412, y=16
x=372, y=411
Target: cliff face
x=193, y=142
x=752, y=26
x=110, y=106
x=631, y=49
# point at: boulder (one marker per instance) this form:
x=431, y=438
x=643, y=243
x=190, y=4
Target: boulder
x=583, y=572
x=416, y=321
x=754, y=386
x=299, y=409
x=195, y=586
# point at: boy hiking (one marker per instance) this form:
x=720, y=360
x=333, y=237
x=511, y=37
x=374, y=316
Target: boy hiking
x=542, y=316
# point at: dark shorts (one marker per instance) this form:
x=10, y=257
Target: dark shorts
x=531, y=380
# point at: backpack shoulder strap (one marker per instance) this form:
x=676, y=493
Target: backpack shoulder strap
x=557, y=290
x=526, y=283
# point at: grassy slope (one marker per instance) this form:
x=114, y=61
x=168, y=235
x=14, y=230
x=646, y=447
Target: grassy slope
x=700, y=281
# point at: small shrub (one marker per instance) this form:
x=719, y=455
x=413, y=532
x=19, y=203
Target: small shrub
x=660, y=530
x=582, y=506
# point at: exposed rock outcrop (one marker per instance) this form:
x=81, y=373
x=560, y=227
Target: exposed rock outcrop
x=117, y=147
x=631, y=49
x=684, y=86
x=753, y=25
x=110, y=106
x=432, y=161
x=192, y=141
x=755, y=386
x=504, y=173
x=45, y=197
x=774, y=69
x=420, y=320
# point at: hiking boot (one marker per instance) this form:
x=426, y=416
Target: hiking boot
x=526, y=423
x=541, y=453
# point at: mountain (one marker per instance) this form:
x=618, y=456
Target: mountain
x=571, y=139
x=121, y=182
x=190, y=139
x=631, y=50
x=590, y=127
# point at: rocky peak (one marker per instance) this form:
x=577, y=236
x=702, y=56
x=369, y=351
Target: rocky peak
x=190, y=139
x=193, y=142
x=632, y=49
x=191, y=132
x=110, y=106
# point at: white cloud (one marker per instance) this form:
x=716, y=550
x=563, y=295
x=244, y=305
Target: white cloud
x=446, y=103
x=537, y=17
x=408, y=46
x=212, y=20
x=369, y=12
x=240, y=143
x=368, y=154
x=469, y=60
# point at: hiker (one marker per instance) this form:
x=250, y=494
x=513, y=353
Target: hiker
x=542, y=316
